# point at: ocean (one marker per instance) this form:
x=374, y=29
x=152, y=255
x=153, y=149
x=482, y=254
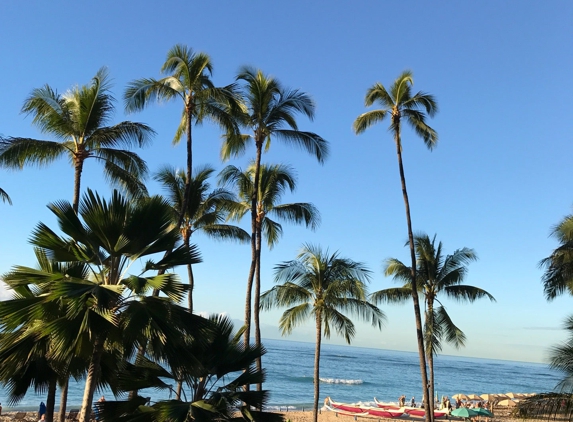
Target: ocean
x=355, y=374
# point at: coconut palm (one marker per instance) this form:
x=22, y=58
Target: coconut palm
x=77, y=119
x=204, y=210
x=270, y=114
x=321, y=286
x=437, y=275
x=101, y=311
x=400, y=104
x=558, y=276
x=274, y=181
x=188, y=78
x=4, y=196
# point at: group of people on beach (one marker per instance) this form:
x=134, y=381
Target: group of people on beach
x=402, y=401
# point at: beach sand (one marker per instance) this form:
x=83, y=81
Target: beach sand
x=328, y=416
x=306, y=416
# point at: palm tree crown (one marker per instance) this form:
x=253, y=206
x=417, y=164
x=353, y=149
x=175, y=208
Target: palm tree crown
x=400, y=103
x=321, y=286
x=189, y=80
x=270, y=113
x=205, y=210
x=275, y=181
x=77, y=119
x=558, y=276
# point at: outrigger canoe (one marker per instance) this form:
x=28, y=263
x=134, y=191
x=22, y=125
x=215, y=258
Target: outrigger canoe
x=417, y=412
x=353, y=409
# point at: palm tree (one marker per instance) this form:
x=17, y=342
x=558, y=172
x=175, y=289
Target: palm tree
x=112, y=236
x=4, y=196
x=274, y=181
x=558, y=276
x=27, y=348
x=436, y=275
x=270, y=114
x=321, y=286
x=204, y=211
x=188, y=79
x=222, y=367
x=400, y=103
x=77, y=119
x=557, y=404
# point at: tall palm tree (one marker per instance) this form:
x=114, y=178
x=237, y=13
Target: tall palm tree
x=321, y=286
x=270, y=114
x=77, y=119
x=558, y=276
x=436, y=275
x=204, y=212
x=400, y=104
x=188, y=78
x=112, y=236
x=274, y=181
x=4, y=196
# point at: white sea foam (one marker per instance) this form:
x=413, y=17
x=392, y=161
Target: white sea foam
x=340, y=381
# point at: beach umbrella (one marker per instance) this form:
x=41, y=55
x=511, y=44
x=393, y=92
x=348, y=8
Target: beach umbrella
x=489, y=397
x=464, y=412
x=460, y=397
x=507, y=403
x=512, y=395
x=474, y=397
x=481, y=411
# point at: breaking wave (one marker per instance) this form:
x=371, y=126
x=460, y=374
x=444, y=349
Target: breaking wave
x=340, y=381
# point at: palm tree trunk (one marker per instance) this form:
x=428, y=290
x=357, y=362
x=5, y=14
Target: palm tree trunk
x=254, y=197
x=78, y=167
x=91, y=380
x=51, y=401
x=256, y=305
x=187, y=241
x=317, y=366
x=415, y=298
x=189, y=171
x=64, y=401
x=430, y=323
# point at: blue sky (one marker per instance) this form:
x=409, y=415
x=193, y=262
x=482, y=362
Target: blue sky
x=497, y=182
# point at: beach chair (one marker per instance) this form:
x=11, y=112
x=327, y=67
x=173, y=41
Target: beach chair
x=19, y=416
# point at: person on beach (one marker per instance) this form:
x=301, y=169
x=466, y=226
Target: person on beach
x=42, y=410
x=413, y=402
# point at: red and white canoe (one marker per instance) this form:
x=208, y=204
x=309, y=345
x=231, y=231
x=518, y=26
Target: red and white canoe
x=416, y=412
x=420, y=412
x=350, y=408
x=382, y=405
x=364, y=411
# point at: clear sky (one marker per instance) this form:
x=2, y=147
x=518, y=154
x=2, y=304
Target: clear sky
x=497, y=182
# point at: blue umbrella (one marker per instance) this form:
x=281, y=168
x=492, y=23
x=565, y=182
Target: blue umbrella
x=464, y=412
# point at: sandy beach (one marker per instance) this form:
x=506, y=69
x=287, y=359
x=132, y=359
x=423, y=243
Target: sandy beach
x=300, y=416
x=328, y=416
